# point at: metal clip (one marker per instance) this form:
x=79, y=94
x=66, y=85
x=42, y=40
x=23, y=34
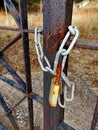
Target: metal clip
x=66, y=98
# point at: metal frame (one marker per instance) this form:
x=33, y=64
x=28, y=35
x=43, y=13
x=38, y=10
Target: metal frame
x=57, y=17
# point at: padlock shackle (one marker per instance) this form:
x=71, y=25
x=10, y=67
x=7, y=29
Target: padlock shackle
x=58, y=74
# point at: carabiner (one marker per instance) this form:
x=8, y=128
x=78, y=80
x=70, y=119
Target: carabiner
x=66, y=99
x=72, y=92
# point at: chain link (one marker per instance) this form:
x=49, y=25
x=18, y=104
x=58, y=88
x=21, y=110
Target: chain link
x=39, y=50
x=73, y=31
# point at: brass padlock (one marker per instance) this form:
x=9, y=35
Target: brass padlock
x=55, y=87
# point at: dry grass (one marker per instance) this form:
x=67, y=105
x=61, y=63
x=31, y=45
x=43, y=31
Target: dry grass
x=35, y=19
x=87, y=22
x=15, y=54
x=85, y=19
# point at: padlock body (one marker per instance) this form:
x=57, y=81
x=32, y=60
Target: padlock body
x=54, y=92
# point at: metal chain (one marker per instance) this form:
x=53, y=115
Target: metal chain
x=73, y=31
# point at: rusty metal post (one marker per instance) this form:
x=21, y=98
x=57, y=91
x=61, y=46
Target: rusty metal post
x=57, y=17
x=95, y=117
x=25, y=41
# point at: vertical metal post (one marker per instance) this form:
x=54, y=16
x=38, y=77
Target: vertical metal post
x=95, y=117
x=25, y=41
x=57, y=17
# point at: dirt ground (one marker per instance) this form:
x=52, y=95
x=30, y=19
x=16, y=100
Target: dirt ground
x=83, y=70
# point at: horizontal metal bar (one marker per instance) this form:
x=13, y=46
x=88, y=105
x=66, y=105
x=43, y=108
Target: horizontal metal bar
x=64, y=126
x=36, y=97
x=79, y=44
x=28, y=31
x=13, y=73
x=16, y=29
x=6, y=109
x=8, y=28
x=85, y=45
x=13, y=11
x=15, y=39
x=15, y=85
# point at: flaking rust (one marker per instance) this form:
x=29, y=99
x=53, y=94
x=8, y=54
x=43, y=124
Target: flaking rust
x=53, y=40
x=57, y=22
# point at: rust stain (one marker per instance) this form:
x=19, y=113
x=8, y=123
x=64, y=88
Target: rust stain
x=53, y=40
x=95, y=82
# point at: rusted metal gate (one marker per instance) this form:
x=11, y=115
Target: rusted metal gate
x=57, y=17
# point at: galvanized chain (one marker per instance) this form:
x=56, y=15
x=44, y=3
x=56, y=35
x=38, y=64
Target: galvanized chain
x=73, y=31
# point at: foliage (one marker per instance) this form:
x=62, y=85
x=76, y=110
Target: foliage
x=35, y=1
x=77, y=1
x=15, y=2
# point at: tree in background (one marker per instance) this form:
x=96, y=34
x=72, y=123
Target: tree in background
x=15, y=2
x=77, y=1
